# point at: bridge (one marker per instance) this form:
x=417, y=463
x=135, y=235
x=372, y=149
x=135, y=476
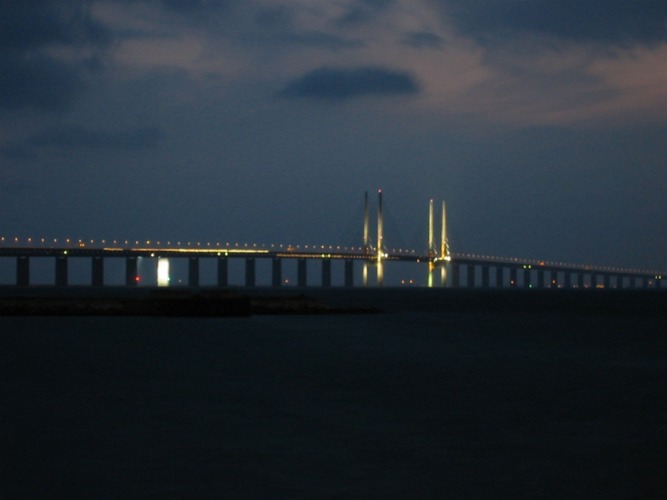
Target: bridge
x=443, y=267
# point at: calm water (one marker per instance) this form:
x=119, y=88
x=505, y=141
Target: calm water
x=455, y=405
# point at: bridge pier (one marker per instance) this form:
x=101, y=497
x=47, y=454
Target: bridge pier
x=302, y=273
x=567, y=279
x=456, y=275
x=470, y=278
x=276, y=272
x=349, y=273
x=23, y=270
x=97, y=271
x=193, y=271
x=485, y=276
x=326, y=273
x=540, y=278
x=250, y=275
x=526, y=277
x=580, y=280
x=500, y=276
x=131, y=277
x=223, y=271
x=513, y=276
x=606, y=281
x=61, y=270
x=594, y=280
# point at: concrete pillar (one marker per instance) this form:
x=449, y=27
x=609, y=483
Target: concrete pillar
x=644, y=281
x=471, y=276
x=485, y=276
x=619, y=281
x=223, y=271
x=276, y=272
x=326, y=272
x=131, y=278
x=568, y=279
x=97, y=278
x=580, y=280
x=540, y=278
x=526, y=277
x=349, y=273
x=456, y=275
x=61, y=270
x=302, y=272
x=23, y=270
x=250, y=271
x=500, y=276
x=606, y=281
x=193, y=271
x=513, y=276
x=554, y=279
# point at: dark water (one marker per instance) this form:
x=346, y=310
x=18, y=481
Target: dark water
x=407, y=405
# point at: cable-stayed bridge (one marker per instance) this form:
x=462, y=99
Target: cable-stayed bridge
x=370, y=259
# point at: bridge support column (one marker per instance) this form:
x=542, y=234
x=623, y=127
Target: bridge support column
x=540, y=278
x=23, y=270
x=349, y=273
x=580, y=280
x=526, y=277
x=456, y=275
x=193, y=271
x=620, y=281
x=554, y=279
x=131, y=277
x=500, y=276
x=61, y=270
x=606, y=281
x=644, y=281
x=276, y=272
x=471, y=276
x=567, y=277
x=594, y=280
x=485, y=276
x=326, y=272
x=223, y=271
x=250, y=271
x=513, y=276
x=302, y=273
x=97, y=278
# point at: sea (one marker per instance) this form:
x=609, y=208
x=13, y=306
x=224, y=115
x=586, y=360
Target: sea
x=402, y=404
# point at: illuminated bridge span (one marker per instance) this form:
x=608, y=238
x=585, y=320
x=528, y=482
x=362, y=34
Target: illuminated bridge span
x=444, y=268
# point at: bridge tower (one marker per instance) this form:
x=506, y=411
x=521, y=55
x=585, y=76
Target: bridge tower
x=438, y=258
x=374, y=256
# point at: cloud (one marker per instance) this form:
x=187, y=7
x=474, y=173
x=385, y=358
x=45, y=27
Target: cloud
x=423, y=39
x=45, y=50
x=342, y=83
x=37, y=82
x=611, y=21
x=77, y=136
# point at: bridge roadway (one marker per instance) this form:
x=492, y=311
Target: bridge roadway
x=460, y=270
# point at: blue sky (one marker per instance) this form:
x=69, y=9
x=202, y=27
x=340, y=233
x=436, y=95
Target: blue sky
x=542, y=123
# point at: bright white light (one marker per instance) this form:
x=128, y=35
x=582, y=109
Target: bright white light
x=163, y=272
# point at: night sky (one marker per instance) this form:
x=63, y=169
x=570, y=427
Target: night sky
x=542, y=123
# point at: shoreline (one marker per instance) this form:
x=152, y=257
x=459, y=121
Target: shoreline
x=231, y=301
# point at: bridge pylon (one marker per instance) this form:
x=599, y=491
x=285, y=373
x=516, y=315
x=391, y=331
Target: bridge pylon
x=377, y=254
x=438, y=257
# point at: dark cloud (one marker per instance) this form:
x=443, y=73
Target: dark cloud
x=341, y=83
x=423, y=39
x=77, y=136
x=615, y=21
x=30, y=75
x=37, y=82
x=362, y=11
x=318, y=40
x=29, y=25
